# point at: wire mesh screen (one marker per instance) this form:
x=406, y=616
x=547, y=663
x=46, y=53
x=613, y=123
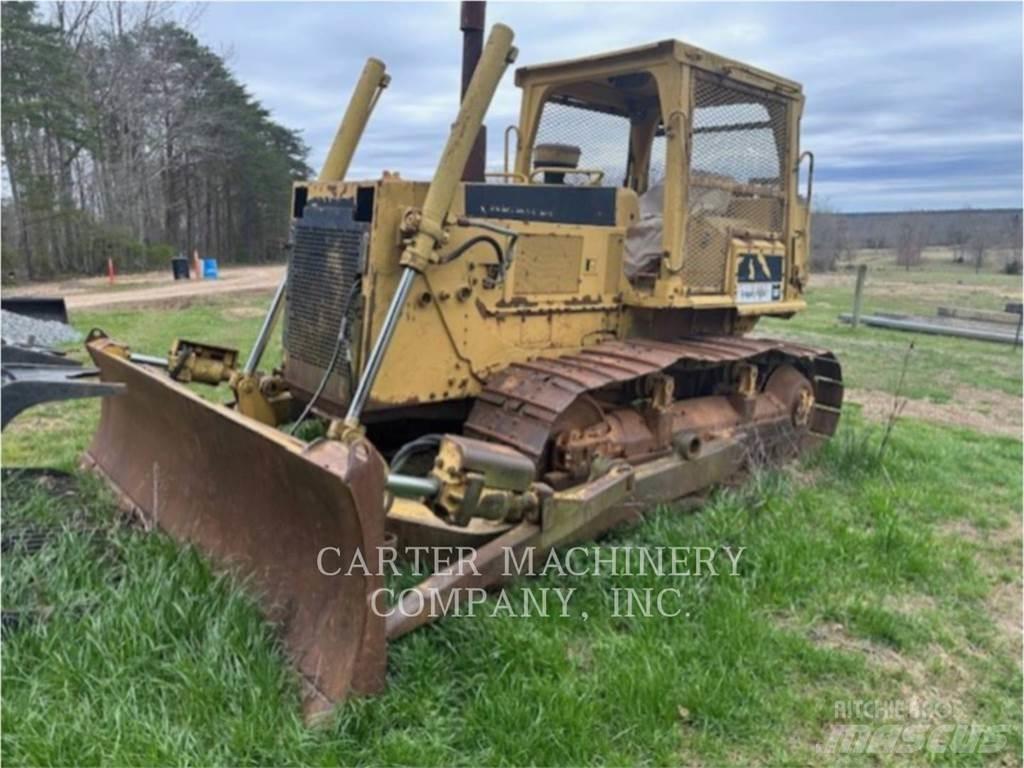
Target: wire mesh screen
x=603, y=139
x=324, y=266
x=657, y=168
x=737, y=182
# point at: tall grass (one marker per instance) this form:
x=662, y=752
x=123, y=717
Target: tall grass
x=172, y=663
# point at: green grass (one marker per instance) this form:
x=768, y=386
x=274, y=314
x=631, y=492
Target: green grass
x=863, y=578
x=941, y=366
x=171, y=664
x=231, y=321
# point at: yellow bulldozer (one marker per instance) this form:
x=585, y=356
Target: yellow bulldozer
x=492, y=362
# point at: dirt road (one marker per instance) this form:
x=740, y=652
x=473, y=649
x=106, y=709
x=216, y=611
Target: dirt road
x=983, y=410
x=152, y=287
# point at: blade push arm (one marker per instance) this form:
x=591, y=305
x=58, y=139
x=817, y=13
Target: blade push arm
x=428, y=224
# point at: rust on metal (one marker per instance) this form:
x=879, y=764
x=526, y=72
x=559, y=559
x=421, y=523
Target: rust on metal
x=639, y=434
x=481, y=568
x=586, y=511
x=522, y=403
x=263, y=505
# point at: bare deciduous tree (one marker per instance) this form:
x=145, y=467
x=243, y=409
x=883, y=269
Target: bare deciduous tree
x=1015, y=240
x=830, y=238
x=908, y=244
x=979, y=242
x=123, y=136
x=958, y=236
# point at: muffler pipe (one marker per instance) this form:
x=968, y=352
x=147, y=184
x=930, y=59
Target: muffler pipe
x=498, y=54
x=472, y=15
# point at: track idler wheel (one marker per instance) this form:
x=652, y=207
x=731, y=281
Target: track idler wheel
x=794, y=391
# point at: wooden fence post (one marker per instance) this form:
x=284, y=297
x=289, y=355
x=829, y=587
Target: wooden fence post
x=858, y=295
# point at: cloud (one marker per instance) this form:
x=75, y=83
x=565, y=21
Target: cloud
x=909, y=105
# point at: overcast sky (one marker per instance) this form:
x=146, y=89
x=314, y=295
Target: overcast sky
x=909, y=105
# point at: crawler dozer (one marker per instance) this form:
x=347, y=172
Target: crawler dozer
x=492, y=361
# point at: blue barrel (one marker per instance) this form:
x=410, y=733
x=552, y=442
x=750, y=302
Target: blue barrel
x=209, y=269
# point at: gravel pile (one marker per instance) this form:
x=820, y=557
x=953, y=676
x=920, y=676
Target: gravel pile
x=19, y=329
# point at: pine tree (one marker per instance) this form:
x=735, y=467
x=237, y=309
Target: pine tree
x=124, y=137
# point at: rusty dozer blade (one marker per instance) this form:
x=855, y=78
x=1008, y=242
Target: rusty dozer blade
x=261, y=504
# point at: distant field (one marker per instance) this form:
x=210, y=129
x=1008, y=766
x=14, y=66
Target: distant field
x=892, y=578
x=949, y=380
x=935, y=259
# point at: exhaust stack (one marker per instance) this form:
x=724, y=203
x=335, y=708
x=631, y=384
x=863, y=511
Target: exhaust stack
x=471, y=21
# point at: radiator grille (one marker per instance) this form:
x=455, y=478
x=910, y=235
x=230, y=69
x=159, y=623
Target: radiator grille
x=325, y=261
x=738, y=142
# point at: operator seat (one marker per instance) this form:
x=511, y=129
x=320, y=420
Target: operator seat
x=643, y=240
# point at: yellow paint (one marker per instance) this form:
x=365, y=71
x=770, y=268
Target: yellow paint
x=566, y=288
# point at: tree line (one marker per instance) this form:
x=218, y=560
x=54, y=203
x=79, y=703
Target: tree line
x=972, y=236
x=125, y=138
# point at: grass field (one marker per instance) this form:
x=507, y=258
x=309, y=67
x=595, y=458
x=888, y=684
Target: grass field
x=949, y=380
x=866, y=579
